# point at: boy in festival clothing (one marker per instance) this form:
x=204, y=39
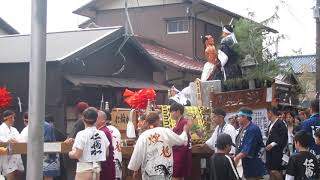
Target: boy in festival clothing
x=91, y=146
x=11, y=165
x=153, y=150
x=222, y=165
x=182, y=156
x=303, y=165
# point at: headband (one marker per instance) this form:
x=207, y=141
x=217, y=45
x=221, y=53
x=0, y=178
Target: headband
x=244, y=114
x=226, y=30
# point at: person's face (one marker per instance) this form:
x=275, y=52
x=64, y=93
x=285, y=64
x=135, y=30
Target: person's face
x=296, y=121
x=242, y=120
x=234, y=122
x=282, y=116
x=302, y=115
x=269, y=114
x=11, y=119
x=317, y=139
x=175, y=115
x=100, y=121
x=311, y=111
x=210, y=40
x=217, y=119
x=173, y=92
x=228, y=148
x=289, y=118
x=25, y=122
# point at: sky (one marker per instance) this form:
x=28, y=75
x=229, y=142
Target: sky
x=296, y=18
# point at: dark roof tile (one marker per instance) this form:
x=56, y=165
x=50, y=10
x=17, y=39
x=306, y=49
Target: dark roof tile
x=300, y=63
x=171, y=57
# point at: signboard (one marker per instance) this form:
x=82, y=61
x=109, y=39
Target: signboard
x=198, y=115
x=194, y=113
x=120, y=118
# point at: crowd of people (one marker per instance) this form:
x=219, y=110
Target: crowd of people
x=95, y=147
x=290, y=151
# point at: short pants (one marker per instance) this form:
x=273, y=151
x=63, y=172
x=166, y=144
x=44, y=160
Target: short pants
x=88, y=166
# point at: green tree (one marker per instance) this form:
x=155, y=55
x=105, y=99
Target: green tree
x=255, y=47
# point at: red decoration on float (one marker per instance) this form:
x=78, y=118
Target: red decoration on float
x=139, y=99
x=5, y=98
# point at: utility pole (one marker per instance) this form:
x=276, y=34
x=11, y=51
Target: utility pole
x=317, y=17
x=37, y=89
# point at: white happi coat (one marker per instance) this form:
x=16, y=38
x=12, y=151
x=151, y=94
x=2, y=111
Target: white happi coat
x=153, y=152
x=116, y=142
x=93, y=143
x=227, y=129
x=10, y=163
x=24, y=134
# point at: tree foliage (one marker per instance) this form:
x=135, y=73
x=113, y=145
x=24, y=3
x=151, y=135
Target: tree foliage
x=255, y=48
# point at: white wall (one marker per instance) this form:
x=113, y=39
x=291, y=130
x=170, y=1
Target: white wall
x=2, y=32
x=116, y=4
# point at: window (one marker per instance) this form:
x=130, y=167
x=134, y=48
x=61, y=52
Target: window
x=177, y=26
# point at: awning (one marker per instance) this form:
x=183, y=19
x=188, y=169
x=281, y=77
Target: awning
x=95, y=81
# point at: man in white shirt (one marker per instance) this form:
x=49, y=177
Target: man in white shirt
x=217, y=117
x=10, y=166
x=116, y=141
x=90, y=147
x=153, y=150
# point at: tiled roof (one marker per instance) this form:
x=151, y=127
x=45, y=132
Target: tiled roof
x=6, y=27
x=300, y=63
x=60, y=45
x=171, y=57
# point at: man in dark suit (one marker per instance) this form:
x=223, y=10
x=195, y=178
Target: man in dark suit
x=277, y=140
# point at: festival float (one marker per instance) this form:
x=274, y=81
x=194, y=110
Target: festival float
x=219, y=86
